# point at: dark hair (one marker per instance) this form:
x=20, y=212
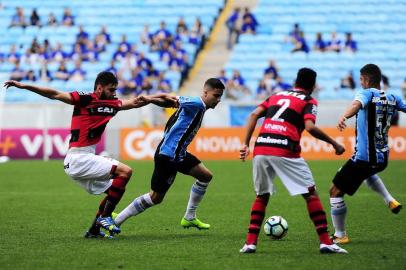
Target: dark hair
x=214, y=83
x=385, y=80
x=373, y=73
x=306, y=79
x=104, y=78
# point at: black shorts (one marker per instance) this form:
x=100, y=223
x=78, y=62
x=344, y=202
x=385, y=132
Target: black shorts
x=165, y=171
x=350, y=177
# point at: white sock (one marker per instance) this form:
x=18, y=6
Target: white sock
x=375, y=183
x=196, y=195
x=338, y=213
x=138, y=206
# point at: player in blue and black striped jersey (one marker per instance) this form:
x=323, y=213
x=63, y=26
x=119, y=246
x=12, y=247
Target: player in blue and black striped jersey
x=172, y=157
x=374, y=110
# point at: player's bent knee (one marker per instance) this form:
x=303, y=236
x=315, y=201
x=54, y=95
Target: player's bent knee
x=156, y=198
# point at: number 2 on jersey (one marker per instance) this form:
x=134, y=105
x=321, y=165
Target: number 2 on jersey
x=284, y=105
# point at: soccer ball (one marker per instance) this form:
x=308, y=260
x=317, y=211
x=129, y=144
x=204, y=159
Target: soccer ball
x=276, y=227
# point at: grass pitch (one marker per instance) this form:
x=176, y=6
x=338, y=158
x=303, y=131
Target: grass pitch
x=44, y=215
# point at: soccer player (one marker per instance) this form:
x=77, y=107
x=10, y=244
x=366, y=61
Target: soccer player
x=91, y=113
x=277, y=152
x=374, y=110
x=171, y=156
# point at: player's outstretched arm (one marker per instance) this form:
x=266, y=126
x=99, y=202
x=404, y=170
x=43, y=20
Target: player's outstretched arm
x=321, y=135
x=349, y=112
x=43, y=91
x=165, y=100
x=252, y=122
x=135, y=102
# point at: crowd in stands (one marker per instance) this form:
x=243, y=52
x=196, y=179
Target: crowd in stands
x=271, y=82
x=135, y=71
x=240, y=23
x=297, y=39
x=20, y=20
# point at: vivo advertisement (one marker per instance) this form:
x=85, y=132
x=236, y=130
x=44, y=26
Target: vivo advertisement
x=34, y=143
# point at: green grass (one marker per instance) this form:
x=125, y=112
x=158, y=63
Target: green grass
x=43, y=215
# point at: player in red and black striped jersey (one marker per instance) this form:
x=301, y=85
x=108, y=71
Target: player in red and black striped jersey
x=277, y=152
x=91, y=113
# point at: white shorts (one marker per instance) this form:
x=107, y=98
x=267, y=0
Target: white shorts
x=89, y=170
x=294, y=173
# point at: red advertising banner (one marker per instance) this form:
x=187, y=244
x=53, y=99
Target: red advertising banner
x=32, y=144
x=224, y=143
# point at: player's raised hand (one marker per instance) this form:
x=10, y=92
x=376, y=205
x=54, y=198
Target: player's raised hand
x=12, y=83
x=341, y=123
x=339, y=149
x=173, y=100
x=244, y=152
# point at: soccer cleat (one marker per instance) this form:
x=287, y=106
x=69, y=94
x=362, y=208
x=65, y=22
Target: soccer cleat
x=100, y=234
x=395, y=206
x=248, y=248
x=108, y=224
x=194, y=223
x=330, y=249
x=340, y=240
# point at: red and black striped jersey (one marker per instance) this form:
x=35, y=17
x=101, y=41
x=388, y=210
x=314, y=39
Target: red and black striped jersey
x=282, y=128
x=90, y=117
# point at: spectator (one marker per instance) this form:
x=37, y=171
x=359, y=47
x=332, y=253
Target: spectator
x=334, y=44
x=270, y=81
x=17, y=73
x=222, y=77
x=62, y=73
x=125, y=43
x=236, y=88
x=294, y=34
x=77, y=74
x=403, y=87
x=262, y=91
x=58, y=54
x=197, y=34
x=102, y=39
x=165, y=53
x=13, y=56
x=29, y=58
x=350, y=45
x=319, y=44
x=272, y=69
x=46, y=50
x=300, y=44
x=44, y=73
x=30, y=76
x=82, y=37
x=164, y=85
x=121, y=52
x=35, y=19
x=348, y=82
x=248, y=26
x=233, y=24
x=385, y=87
x=151, y=72
x=181, y=27
x=143, y=61
x=280, y=85
x=146, y=36
x=52, y=21
x=91, y=53
x=35, y=47
x=248, y=14
x=76, y=54
x=162, y=33
x=67, y=18
x=18, y=18
x=112, y=68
